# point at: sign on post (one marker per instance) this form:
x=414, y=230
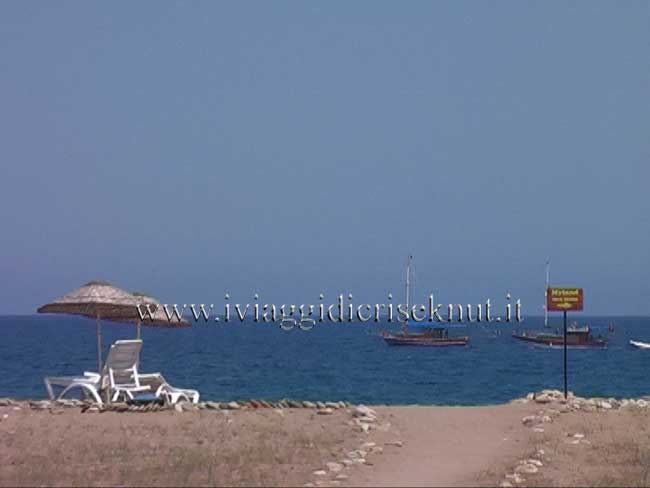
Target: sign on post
x=564, y=299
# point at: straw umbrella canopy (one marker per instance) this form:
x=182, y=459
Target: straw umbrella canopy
x=155, y=314
x=97, y=299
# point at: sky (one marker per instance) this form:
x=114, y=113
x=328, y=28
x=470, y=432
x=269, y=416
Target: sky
x=295, y=148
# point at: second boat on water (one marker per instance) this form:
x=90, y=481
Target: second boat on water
x=576, y=338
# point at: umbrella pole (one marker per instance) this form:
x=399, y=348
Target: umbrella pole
x=138, y=333
x=99, y=346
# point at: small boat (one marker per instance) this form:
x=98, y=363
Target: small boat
x=428, y=335
x=576, y=338
x=640, y=345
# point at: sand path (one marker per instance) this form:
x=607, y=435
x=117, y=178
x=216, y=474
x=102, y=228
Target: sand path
x=445, y=446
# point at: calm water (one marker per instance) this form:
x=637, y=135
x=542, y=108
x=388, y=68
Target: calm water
x=239, y=361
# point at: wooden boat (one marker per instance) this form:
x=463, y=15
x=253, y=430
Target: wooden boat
x=640, y=345
x=427, y=336
x=577, y=338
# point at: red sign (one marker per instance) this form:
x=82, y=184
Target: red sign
x=564, y=299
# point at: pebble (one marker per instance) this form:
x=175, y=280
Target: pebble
x=177, y=407
x=394, y=443
x=334, y=467
x=363, y=411
x=325, y=411
x=232, y=406
x=320, y=472
x=308, y=404
x=526, y=469
x=341, y=477
x=535, y=462
x=333, y=405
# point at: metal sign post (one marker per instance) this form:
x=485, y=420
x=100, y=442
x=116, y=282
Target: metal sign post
x=563, y=300
x=565, y=368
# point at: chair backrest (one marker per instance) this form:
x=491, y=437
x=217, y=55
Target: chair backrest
x=121, y=365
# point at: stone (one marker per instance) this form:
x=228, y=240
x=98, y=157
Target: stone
x=505, y=484
x=341, y=477
x=187, y=406
x=265, y=404
x=394, y=443
x=526, y=468
x=333, y=405
x=320, y=472
x=366, y=419
x=535, y=462
x=325, y=411
x=347, y=462
x=232, y=406
x=368, y=445
x=377, y=450
x=641, y=403
x=212, y=405
x=342, y=405
x=365, y=428
x=542, y=399
x=178, y=407
x=605, y=405
x=538, y=430
x=530, y=420
x=320, y=404
x=363, y=411
x=5, y=402
x=294, y=404
x=334, y=467
x=578, y=436
x=308, y=404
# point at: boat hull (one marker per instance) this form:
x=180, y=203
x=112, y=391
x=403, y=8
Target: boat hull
x=558, y=342
x=425, y=341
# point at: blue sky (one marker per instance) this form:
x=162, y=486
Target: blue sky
x=293, y=148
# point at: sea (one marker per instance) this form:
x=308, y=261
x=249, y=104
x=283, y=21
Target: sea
x=347, y=361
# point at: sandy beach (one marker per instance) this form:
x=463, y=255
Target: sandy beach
x=534, y=442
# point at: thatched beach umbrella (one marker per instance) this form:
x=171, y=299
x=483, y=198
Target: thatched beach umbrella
x=155, y=315
x=97, y=300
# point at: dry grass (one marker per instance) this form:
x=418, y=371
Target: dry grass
x=616, y=451
x=260, y=448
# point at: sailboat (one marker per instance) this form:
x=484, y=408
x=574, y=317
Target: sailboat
x=429, y=335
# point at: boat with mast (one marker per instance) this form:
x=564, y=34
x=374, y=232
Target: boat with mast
x=429, y=336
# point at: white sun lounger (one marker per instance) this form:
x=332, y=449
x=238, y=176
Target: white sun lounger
x=119, y=375
x=170, y=393
x=121, y=378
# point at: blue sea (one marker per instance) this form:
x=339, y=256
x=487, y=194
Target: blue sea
x=331, y=362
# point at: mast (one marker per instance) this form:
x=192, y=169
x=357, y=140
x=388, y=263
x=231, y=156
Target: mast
x=548, y=279
x=408, y=284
